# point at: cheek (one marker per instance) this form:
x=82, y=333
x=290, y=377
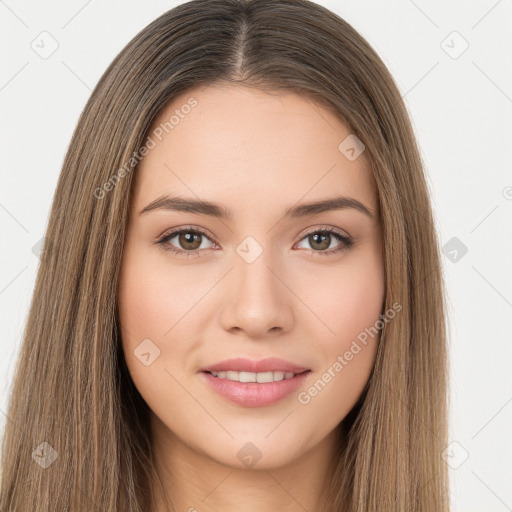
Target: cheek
x=161, y=306
x=348, y=303
x=356, y=305
x=141, y=310
x=346, y=300
x=152, y=301
x=147, y=311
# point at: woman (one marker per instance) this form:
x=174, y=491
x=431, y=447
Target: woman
x=240, y=300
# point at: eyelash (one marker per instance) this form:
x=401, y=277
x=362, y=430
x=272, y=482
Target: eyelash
x=346, y=241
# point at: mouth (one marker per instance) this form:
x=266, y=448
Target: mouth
x=248, y=366
x=259, y=377
x=254, y=389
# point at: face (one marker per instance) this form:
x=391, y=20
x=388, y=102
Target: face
x=256, y=276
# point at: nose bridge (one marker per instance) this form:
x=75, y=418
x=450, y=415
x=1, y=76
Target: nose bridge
x=254, y=278
x=258, y=300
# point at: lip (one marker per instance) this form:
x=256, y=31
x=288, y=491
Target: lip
x=241, y=364
x=254, y=394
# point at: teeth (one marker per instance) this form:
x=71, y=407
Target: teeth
x=254, y=377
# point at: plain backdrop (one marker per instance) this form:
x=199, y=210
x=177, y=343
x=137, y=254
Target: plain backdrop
x=451, y=61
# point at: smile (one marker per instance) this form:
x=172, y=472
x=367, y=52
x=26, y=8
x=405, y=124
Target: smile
x=260, y=377
x=250, y=389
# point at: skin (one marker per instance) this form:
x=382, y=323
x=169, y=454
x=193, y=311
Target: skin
x=258, y=154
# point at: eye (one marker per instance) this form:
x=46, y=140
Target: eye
x=189, y=241
x=321, y=241
x=193, y=241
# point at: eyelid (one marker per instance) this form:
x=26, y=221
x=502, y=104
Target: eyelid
x=188, y=228
x=326, y=228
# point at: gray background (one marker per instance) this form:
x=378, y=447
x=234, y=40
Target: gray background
x=460, y=102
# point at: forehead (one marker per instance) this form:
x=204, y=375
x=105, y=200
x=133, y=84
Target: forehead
x=247, y=147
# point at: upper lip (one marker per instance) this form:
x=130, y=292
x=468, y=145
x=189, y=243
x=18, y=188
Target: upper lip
x=269, y=364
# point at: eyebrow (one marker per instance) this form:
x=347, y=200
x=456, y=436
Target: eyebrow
x=180, y=204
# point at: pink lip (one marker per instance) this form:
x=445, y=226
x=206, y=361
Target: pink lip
x=254, y=394
x=240, y=364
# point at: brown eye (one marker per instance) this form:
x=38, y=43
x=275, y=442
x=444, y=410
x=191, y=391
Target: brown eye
x=321, y=240
x=188, y=241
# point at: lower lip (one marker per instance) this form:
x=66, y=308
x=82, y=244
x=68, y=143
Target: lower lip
x=254, y=394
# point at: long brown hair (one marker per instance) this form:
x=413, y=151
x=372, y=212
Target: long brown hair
x=72, y=397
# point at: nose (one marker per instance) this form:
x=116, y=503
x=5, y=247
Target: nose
x=258, y=302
